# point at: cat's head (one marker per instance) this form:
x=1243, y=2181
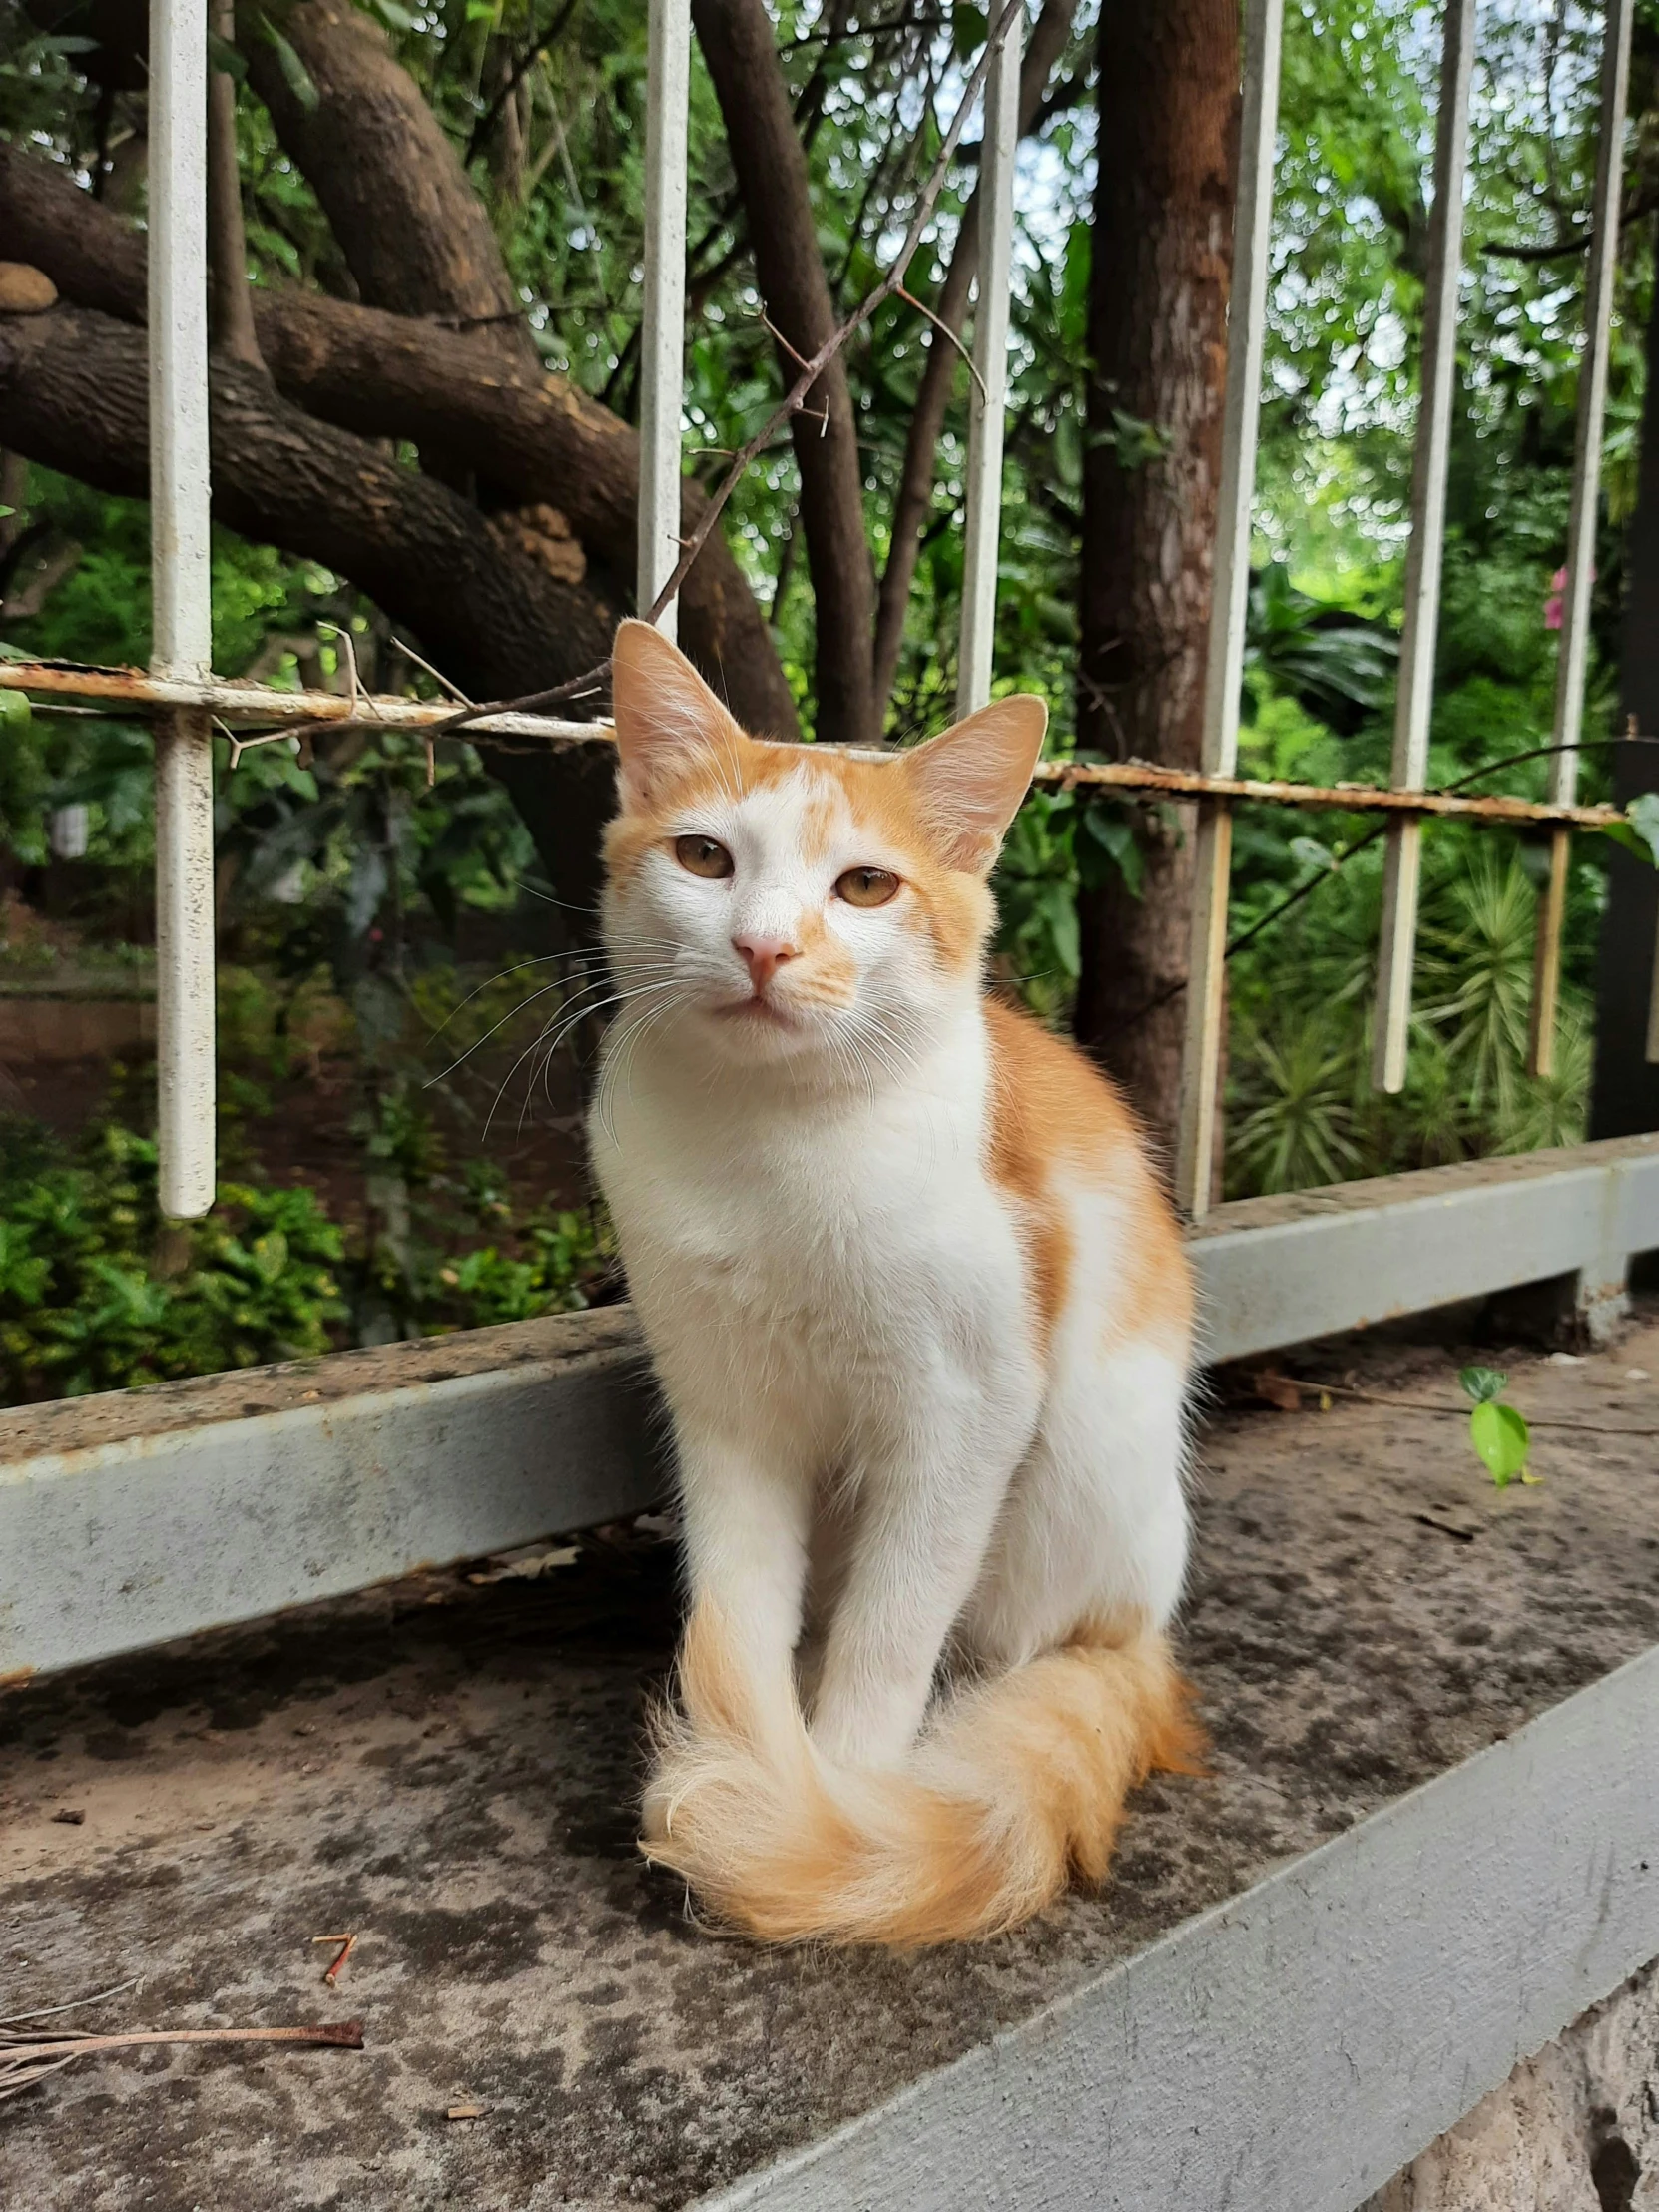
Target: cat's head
x=780, y=901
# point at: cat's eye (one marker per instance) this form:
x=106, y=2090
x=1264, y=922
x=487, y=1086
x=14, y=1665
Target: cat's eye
x=703, y=856
x=867, y=886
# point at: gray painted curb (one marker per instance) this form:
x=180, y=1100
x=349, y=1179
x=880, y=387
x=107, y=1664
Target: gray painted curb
x=1289, y=2051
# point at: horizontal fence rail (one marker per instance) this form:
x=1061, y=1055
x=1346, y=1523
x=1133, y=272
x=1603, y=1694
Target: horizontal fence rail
x=233, y=703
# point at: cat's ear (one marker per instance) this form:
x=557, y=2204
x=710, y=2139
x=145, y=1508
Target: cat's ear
x=663, y=710
x=969, y=782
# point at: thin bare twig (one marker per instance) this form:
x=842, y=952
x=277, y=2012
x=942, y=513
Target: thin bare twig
x=1457, y=1413
x=75, y=2004
x=945, y=331
x=347, y=1945
x=436, y=673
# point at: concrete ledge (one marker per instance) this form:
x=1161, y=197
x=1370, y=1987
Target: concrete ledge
x=278, y=1485
x=126, y=1520
x=1291, y=2050
x=1279, y=1271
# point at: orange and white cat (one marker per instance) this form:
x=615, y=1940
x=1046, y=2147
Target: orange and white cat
x=923, y=1322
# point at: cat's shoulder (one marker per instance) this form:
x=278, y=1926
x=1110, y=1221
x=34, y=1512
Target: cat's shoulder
x=1045, y=1085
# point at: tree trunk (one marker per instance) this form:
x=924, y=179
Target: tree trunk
x=1161, y=259
x=741, y=48
x=233, y=306
x=1625, y=1097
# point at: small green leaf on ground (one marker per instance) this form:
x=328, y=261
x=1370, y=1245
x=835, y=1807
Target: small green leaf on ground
x=1499, y=1435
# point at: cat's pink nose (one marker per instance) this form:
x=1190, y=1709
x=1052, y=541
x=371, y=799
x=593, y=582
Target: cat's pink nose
x=763, y=956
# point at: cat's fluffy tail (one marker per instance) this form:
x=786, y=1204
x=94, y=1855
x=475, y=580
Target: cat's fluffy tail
x=1016, y=1786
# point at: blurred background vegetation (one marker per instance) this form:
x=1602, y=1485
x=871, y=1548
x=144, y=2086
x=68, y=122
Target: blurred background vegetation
x=402, y=1041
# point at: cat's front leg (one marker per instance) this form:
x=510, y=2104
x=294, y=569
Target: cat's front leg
x=746, y=1534
x=927, y=1511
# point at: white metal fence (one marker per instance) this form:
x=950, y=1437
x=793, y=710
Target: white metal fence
x=184, y=698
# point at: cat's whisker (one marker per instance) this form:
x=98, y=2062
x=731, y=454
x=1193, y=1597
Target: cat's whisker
x=559, y=984
x=537, y=1043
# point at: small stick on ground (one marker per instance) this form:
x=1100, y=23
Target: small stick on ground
x=347, y=1944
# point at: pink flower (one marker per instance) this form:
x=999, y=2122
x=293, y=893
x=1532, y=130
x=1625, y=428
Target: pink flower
x=1555, y=604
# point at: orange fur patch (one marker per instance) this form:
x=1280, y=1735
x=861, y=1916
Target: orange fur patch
x=1052, y=1108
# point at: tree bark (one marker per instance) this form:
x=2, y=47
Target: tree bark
x=915, y=497
x=388, y=376
x=415, y=236
x=741, y=48
x=1161, y=262
x=1625, y=1093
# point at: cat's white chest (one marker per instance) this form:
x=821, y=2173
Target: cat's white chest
x=837, y=1262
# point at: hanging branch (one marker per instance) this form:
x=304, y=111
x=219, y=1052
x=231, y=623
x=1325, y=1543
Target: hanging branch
x=521, y=69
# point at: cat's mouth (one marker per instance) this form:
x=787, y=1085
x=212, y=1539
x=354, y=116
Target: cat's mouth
x=757, y=1008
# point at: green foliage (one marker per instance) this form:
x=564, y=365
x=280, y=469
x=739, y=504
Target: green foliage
x=350, y=870
x=561, y=1258
x=83, y=1305
x=1499, y=1433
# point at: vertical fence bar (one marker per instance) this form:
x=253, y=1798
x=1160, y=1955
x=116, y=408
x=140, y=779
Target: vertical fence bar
x=1230, y=602
x=1422, y=568
x=1582, y=537
x=1000, y=149
x=663, y=334
x=182, y=632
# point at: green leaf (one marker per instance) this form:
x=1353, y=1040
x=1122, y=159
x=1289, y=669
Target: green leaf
x=224, y=56
x=1639, y=830
x=968, y=27
x=398, y=17
x=294, y=73
x=15, y=712
x=1499, y=1435
x=1483, y=1383
x=270, y=1255
x=1115, y=836
x=1643, y=815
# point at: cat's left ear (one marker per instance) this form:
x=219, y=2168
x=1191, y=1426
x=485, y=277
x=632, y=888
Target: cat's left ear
x=663, y=710
x=970, y=782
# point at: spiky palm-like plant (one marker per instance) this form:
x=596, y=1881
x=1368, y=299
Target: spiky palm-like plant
x=1296, y=1086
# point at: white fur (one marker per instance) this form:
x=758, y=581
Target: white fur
x=832, y=1287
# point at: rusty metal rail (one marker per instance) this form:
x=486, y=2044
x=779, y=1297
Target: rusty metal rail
x=233, y=704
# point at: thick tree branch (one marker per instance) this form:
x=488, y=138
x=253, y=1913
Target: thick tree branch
x=388, y=376
x=921, y=442
x=498, y=615
x=414, y=234
x=741, y=48
x=75, y=389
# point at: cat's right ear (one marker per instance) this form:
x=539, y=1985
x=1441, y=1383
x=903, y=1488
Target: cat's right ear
x=663, y=711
